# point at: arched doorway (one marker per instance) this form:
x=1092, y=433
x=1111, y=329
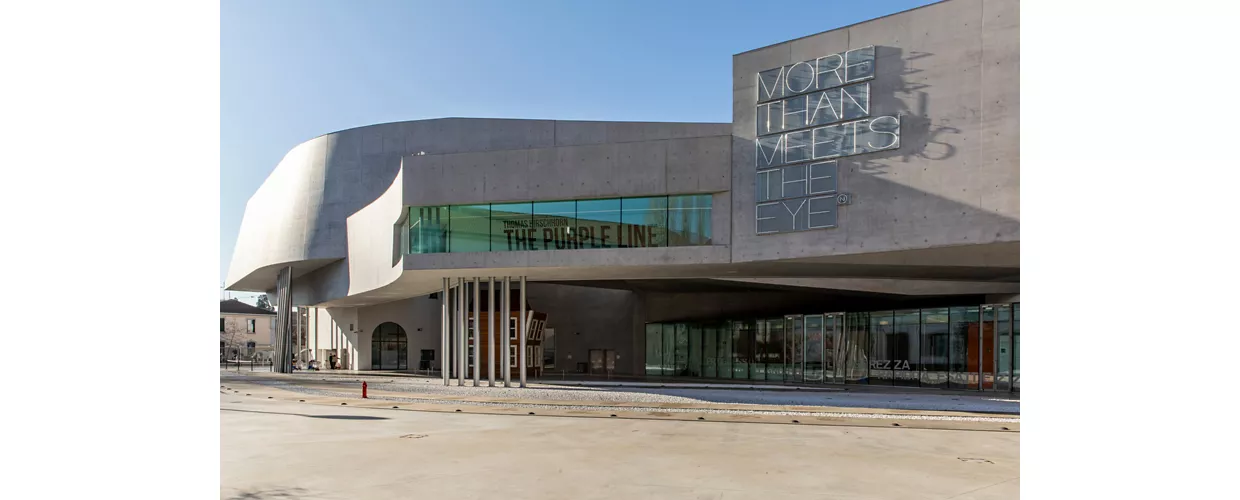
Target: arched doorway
x=389, y=348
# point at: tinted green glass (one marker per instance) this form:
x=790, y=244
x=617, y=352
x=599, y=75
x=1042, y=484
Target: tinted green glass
x=598, y=223
x=644, y=222
x=428, y=229
x=688, y=220
x=510, y=226
x=469, y=228
x=553, y=222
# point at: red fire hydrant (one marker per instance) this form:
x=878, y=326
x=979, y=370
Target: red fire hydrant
x=363, y=389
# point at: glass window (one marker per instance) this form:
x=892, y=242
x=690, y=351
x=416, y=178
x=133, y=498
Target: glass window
x=469, y=228
x=935, y=347
x=510, y=227
x=682, y=350
x=428, y=229
x=814, y=349
x=906, y=348
x=723, y=354
x=963, y=348
x=742, y=348
x=669, y=349
x=645, y=222
x=857, y=348
x=1016, y=347
x=251, y=325
x=598, y=223
x=221, y=324
x=654, y=349
x=688, y=220
x=882, y=328
x=553, y=222
x=695, y=350
x=710, y=350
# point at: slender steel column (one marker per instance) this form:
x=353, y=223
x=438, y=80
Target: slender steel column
x=491, y=322
x=443, y=332
x=505, y=343
x=477, y=330
x=525, y=324
x=460, y=353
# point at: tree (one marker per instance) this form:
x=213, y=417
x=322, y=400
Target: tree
x=263, y=302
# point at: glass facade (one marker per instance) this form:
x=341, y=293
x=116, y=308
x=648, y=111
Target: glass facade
x=942, y=348
x=646, y=222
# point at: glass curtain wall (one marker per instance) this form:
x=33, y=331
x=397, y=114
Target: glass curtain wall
x=688, y=220
x=963, y=347
x=814, y=349
x=655, y=221
x=906, y=348
x=934, y=347
x=654, y=349
x=1016, y=347
x=857, y=350
x=882, y=331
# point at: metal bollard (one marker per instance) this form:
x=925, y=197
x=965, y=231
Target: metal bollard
x=363, y=389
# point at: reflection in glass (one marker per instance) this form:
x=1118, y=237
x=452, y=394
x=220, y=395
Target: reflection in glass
x=688, y=220
x=906, y=348
x=644, y=222
x=724, y=354
x=669, y=349
x=598, y=223
x=935, y=347
x=510, y=227
x=388, y=348
x=1016, y=347
x=470, y=228
x=710, y=350
x=1003, y=323
x=963, y=356
x=988, y=348
x=882, y=329
x=428, y=229
x=832, y=339
x=742, y=348
x=654, y=349
x=857, y=348
x=682, y=351
x=553, y=222
x=814, y=348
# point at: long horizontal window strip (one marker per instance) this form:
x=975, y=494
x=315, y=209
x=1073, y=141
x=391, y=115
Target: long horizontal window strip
x=962, y=347
x=642, y=222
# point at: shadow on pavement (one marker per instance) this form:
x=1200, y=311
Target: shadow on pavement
x=272, y=493
x=332, y=417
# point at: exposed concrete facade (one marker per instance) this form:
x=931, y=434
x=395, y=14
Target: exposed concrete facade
x=939, y=216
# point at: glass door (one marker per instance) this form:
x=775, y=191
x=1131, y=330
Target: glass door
x=794, y=348
x=833, y=340
x=815, y=338
x=997, y=347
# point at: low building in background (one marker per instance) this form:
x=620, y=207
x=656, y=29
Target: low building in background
x=246, y=331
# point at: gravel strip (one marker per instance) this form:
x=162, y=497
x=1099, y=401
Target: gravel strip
x=891, y=401
x=319, y=392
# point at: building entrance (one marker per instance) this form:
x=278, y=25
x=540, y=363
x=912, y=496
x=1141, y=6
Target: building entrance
x=389, y=348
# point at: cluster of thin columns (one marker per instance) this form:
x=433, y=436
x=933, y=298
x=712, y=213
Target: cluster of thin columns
x=453, y=327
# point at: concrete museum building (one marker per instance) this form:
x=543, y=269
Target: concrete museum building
x=858, y=222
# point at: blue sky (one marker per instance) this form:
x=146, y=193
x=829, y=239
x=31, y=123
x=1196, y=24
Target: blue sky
x=293, y=70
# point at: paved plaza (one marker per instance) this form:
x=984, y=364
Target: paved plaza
x=278, y=441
